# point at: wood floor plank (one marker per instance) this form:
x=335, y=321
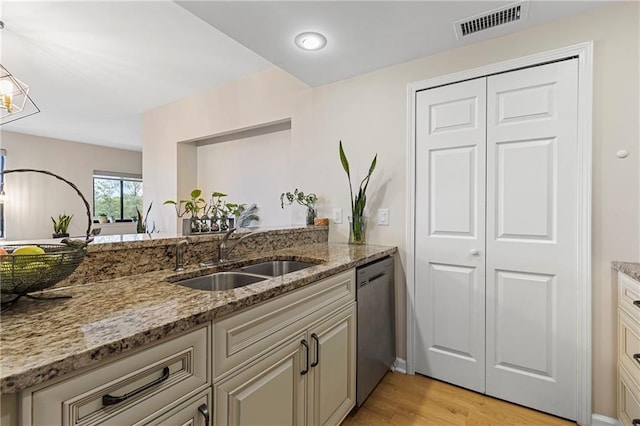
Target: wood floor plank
x=405, y=400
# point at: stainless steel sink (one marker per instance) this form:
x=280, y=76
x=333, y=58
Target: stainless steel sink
x=220, y=281
x=276, y=268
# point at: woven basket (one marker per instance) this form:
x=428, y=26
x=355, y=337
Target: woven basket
x=24, y=273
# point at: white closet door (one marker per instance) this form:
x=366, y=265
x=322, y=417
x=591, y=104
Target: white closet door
x=450, y=226
x=532, y=239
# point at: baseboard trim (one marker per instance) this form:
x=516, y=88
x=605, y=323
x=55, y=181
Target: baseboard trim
x=600, y=420
x=400, y=366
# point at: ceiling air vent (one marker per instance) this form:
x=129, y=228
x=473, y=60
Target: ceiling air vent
x=504, y=15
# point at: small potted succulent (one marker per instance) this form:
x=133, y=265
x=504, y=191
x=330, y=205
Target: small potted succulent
x=103, y=218
x=307, y=200
x=61, y=225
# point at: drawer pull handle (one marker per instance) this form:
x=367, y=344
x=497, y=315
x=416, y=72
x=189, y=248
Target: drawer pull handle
x=112, y=400
x=314, y=336
x=637, y=357
x=637, y=303
x=306, y=346
x=205, y=413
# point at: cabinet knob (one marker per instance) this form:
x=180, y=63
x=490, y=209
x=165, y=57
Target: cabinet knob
x=474, y=252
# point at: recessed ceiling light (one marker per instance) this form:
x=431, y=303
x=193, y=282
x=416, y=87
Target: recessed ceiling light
x=310, y=41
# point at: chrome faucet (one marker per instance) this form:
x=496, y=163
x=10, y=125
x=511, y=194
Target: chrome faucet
x=225, y=249
x=180, y=247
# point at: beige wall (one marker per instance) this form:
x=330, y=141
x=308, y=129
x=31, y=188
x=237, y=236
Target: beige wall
x=34, y=198
x=238, y=168
x=369, y=114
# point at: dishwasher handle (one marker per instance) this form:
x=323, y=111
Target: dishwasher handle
x=369, y=280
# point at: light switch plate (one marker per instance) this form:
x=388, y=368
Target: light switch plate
x=383, y=217
x=337, y=215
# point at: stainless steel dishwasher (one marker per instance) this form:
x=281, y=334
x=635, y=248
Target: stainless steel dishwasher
x=376, y=325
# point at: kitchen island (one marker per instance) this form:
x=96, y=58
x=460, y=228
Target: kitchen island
x=106, y=319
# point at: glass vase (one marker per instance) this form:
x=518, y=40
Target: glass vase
x=311, y=214
x=195, y=225
x=224, y=222
x=357, y=230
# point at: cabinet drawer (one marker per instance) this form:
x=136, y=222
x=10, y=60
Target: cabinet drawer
x=628, y=398
x=245, y=335
x=629, y=344
x=155, y=379
x=186, y=413
x=628, y=293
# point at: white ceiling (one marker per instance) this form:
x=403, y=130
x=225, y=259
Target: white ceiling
x=95, y=67
x=362, y=35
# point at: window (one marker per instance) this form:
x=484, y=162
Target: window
x=117, y=195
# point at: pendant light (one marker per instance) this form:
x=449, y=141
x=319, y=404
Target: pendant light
x=14, y=97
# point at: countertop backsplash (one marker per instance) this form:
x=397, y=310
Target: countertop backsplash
x=115, y=256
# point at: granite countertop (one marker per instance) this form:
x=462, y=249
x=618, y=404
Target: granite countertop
x=45, y=339
x=630, y=268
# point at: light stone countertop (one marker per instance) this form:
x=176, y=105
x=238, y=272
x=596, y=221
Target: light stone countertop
x=630, y=268
x=40, y=339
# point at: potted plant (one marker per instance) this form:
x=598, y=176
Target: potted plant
x=218, y=213
x=61, y=225
x=307, y=200
x=194, y=206
x=357, y=221
x=103, y=218
x=246, y=215
x=141, y=223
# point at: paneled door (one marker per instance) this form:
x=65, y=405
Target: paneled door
x=450, y=226
x=532, y=237
x=496, y=282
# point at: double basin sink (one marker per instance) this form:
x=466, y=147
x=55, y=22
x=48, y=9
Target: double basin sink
x=244, y=275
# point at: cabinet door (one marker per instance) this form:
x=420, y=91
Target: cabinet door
x=450, y=233
x=628, y=399
x=333, y=368
x=195, y=412
x=269, y=392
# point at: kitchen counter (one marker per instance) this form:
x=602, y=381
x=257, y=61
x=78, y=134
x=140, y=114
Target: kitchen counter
x=41, y=340
x=630, y=268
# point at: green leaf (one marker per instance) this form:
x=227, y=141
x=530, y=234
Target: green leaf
x=373, y=165
x=344, y=161
x=169, y=202
x=218, y=194
x=196, y=193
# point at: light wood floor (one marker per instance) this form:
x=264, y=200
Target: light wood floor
x=403, y=400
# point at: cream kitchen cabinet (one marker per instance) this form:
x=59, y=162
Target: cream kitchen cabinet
x=130, y=390
x=332, y=390
x=271, y=391
x=195, y=412
x=287, y=361
x=302, y=370
x=309, y=379
x=628, y=350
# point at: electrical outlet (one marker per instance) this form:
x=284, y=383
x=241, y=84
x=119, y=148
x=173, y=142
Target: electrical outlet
x=337, y=215
x=383, y=217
